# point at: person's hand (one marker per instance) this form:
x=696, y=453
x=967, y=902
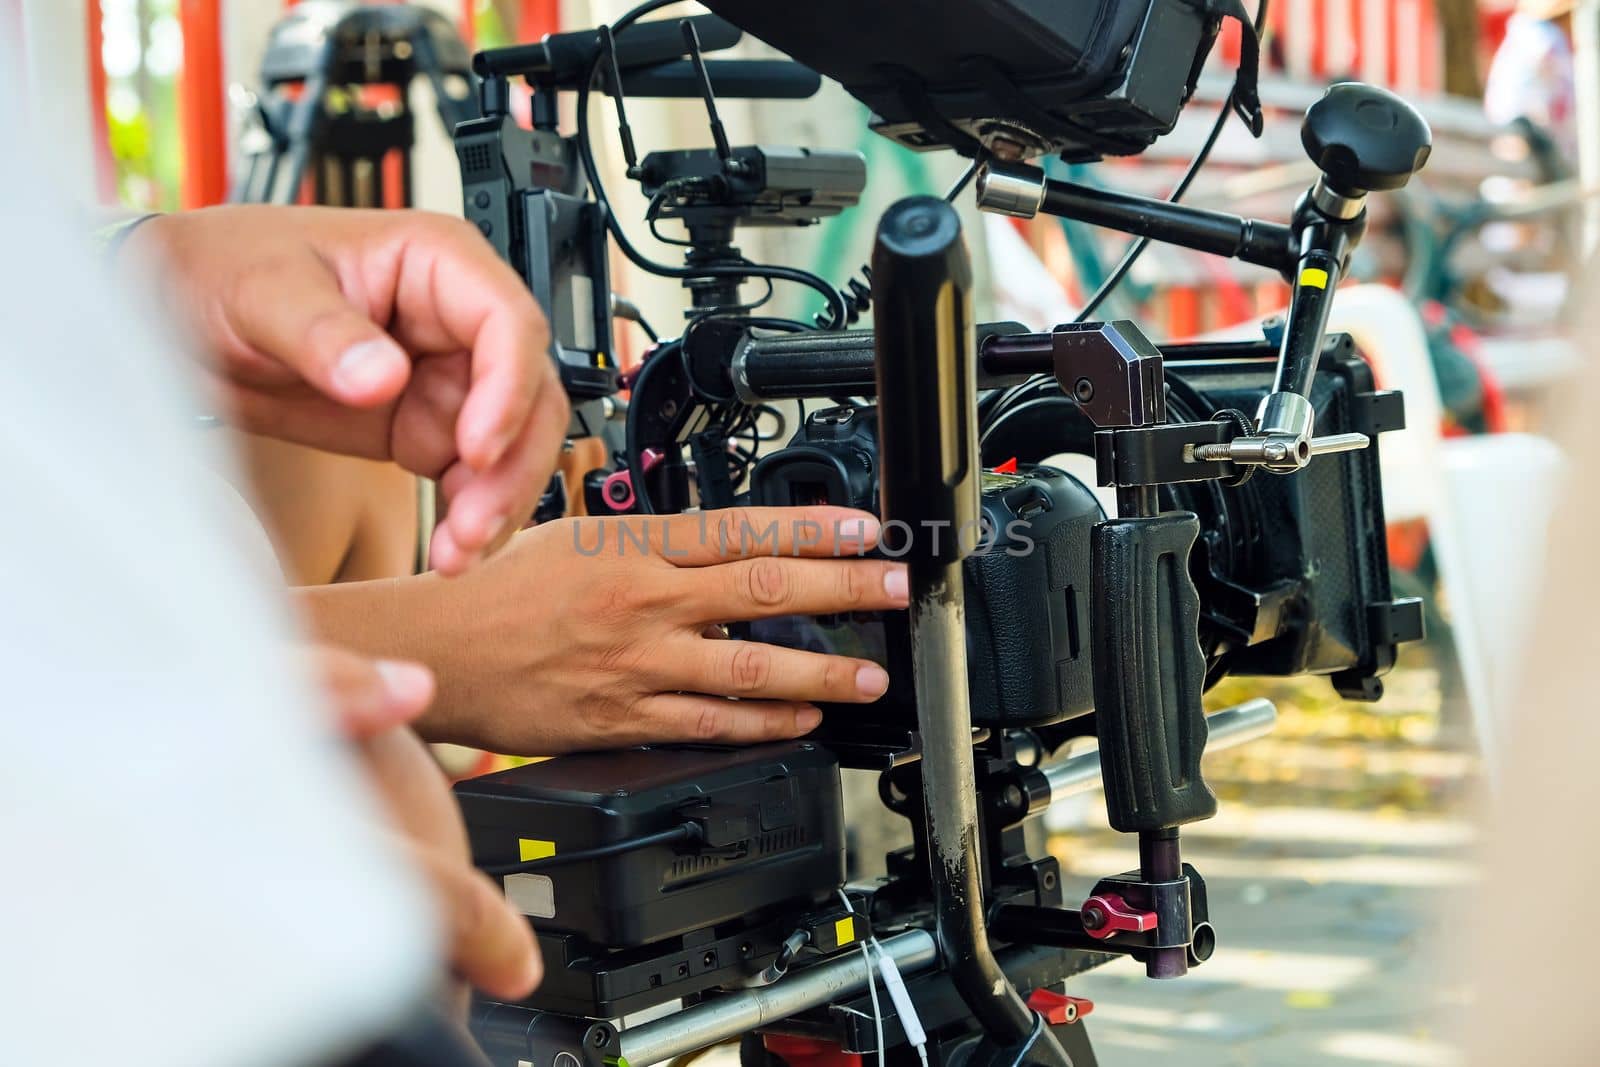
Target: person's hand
x=490, y=946
x=600, y=633
x=387, y=334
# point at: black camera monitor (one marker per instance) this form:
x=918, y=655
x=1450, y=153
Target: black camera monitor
x=1010, y=77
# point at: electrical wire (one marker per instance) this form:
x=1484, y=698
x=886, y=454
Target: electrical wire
x=631, y=429
x=857, y=290
x=835, y=300
x=1136, y=250
x=683, y=832
x=872, y=983
x=965, y=179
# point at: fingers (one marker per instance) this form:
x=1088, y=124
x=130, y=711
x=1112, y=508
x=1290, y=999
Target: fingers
x=484, y=509
x=712, y=537
x=371, y=696
x=673, y=717
x=489, y=944
x=294, y=311
x=753, y=670
x=769, y=586
x=455, y=293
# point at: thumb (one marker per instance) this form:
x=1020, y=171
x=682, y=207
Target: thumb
x=371, y=696
x=296, y=314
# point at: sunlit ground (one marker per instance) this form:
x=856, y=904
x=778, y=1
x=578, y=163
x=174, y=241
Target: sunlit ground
x=1343, y=843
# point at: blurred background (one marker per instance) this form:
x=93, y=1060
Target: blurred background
x=1345, y=837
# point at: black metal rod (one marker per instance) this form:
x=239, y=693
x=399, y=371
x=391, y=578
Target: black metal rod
x=927, y=415
x=562, y=58
x=1024, y=924
x=1160, y=860
x=1315, y=280
x=757, y=79
x=802, y=365
x=1266, y=244
x=821, y=363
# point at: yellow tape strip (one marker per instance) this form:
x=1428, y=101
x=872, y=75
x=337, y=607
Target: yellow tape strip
x=531, y=849
x=1315, y=277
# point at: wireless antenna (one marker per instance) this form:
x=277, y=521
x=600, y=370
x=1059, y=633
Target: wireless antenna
x=719, y=136
x=608, y=41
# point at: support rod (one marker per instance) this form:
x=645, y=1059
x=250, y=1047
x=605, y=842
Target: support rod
x=748, y=1010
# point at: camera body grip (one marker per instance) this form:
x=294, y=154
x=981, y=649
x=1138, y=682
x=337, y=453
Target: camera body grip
x=1149, y=673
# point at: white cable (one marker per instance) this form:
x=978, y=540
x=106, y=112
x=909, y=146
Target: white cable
x=910, y=1021
x=872, y=983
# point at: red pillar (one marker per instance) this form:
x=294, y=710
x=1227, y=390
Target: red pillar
x=200, y=102
x=105, y=168
x=538, y=17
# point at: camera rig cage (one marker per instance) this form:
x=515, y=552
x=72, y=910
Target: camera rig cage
x=685, y=896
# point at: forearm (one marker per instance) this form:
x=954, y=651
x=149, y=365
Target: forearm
x=413, y=618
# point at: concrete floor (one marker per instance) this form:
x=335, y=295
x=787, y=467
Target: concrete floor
x=1342, y=848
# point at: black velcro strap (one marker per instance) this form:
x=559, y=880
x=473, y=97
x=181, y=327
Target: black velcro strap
x=1246, y=98
x=914, y=98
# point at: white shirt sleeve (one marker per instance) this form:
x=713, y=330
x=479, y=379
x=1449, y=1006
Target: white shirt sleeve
x=192, y=870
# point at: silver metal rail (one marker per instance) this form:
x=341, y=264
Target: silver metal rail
x=1225, y=729
x=750, y=1009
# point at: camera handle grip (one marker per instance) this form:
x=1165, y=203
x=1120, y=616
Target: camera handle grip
x=929, y=474
x=1149, y=673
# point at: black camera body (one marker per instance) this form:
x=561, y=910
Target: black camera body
x=1027, y=583
x=1247, y=537
x=1292, y=573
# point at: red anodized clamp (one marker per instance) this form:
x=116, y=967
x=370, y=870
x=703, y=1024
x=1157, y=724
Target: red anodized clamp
x=1059, y=1009
x=1106, y=913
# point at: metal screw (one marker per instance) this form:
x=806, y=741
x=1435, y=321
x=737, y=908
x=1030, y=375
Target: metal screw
x=1275, y=451
x=1049, y=879
x=1093, y=918
x=1007, y=149
x=1083, y=389
x=669, y=409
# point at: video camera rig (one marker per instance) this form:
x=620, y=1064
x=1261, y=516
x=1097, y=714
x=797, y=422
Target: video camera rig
x=685, y=896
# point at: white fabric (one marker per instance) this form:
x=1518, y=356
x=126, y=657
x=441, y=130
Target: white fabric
x=1532, y=77
x=190, y=871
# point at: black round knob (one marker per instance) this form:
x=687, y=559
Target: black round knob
x=1365, y=139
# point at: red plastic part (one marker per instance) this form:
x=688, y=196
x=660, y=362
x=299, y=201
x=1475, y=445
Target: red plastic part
x=809, y=1052
x=1059, y=1009
x=1119, y=917
x=1008, y=467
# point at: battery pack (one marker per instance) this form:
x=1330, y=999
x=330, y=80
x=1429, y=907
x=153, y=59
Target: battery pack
x=776, y=815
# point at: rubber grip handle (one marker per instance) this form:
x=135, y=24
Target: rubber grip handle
x=1148, y=673
x=924, y=352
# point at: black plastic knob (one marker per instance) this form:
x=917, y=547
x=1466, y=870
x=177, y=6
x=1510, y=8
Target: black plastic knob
x=1365, y=139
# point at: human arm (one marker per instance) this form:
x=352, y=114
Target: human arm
x=331, y=518
x=488, y=945
x=597, y=633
